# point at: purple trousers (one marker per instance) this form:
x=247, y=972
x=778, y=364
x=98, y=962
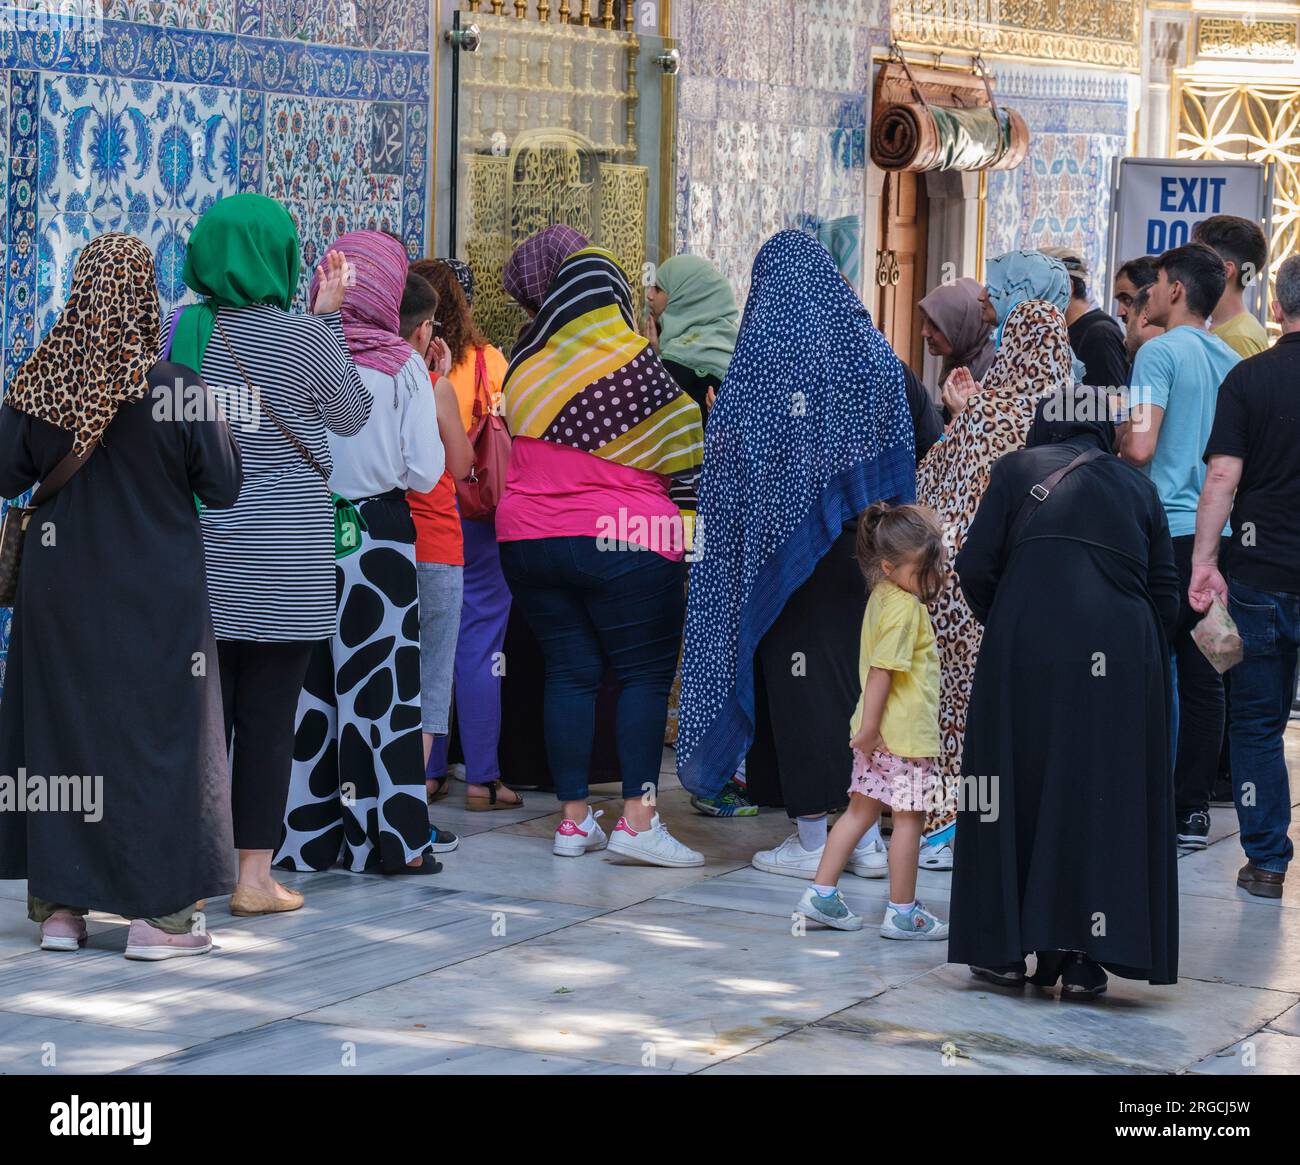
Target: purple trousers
x=485, y=610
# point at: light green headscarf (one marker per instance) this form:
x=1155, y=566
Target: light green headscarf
x=243, y=251
x=699, y=326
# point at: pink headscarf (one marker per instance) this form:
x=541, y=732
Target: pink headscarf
x=531, y=268
x=372, y=305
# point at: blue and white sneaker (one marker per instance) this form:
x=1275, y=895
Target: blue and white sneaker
x=829, y=911
x=917, y=923
x=731, y=801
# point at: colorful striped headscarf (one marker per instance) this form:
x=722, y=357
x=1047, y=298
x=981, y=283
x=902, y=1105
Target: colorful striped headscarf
x=581, y=376
x=529, y=272
x=99, y=351
x=372, y=304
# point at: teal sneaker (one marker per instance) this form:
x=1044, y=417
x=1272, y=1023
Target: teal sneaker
x=731, y=801
x=917, y=923
x=829, y=911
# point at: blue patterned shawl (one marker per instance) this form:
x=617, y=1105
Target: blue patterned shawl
x=811, y=426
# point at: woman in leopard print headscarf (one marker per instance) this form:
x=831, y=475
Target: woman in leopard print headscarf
x=112, y=662
x=1033, y=358
x=99, y=351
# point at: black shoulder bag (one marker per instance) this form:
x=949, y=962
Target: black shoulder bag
x=14, y=529
x=1039, y=494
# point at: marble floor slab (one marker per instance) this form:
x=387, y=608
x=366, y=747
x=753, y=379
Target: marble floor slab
x=291, y=1047
x=1250, y=943
x=685, y=985
x=40, y=1045
x=1268, y=1053
x=1135, y=1028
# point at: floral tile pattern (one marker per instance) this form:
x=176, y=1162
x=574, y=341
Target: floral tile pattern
x=177, y=103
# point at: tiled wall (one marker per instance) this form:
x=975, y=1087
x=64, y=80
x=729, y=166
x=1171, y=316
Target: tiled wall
x=1061, y=195
x=772, y=109
x=139, y=123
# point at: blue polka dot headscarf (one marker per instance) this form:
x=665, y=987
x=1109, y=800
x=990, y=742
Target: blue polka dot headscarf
x=810, y=427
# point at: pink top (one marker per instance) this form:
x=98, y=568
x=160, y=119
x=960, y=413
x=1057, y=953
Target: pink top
x=554, y=491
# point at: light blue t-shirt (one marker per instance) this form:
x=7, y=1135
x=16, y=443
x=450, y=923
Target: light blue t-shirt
x=1180, y=372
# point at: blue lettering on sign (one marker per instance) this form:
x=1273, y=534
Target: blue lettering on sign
x=1179, y=195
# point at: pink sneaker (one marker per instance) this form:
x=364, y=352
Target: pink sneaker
x=151, y=944
x=63, y=931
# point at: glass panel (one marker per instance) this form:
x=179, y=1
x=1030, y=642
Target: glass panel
x=559, y=123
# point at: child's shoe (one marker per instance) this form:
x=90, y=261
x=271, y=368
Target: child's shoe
x=572, y=840
x=829, y=911
x=917, y=923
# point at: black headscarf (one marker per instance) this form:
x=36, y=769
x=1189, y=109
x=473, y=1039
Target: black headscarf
x=1081, y=413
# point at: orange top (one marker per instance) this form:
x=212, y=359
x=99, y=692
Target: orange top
x=462, y=380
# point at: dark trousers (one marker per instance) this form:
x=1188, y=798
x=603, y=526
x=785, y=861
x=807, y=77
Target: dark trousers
x=1200, y=702
x=1263, y=686
x=806, y=687
x=589, y=606
x=260, y=683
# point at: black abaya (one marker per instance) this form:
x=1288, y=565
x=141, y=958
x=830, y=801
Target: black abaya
x=1069, y=723
x=113, y=666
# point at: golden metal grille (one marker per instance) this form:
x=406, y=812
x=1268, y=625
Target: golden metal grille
x=1259, y=122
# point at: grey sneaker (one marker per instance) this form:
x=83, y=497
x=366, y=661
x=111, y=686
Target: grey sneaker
x=917, y=923
x=830, y=911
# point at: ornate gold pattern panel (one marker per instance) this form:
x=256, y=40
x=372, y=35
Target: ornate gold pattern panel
x=1246, y=39
x=1258, y=122
x=1081, y=32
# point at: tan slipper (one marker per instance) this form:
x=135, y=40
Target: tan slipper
x=246, y=900
x=489, y=803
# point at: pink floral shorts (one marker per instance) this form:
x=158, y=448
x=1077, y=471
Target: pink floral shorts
x=901, y=782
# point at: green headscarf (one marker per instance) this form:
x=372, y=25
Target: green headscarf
x=699, y=326
x=243, y=251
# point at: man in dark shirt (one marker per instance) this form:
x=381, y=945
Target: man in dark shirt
x=1097, y=340
x=1253, y=454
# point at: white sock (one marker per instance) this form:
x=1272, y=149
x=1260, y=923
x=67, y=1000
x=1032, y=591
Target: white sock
x=812, y=832
x=823, y=891
x=872, y=835
x=903, y=908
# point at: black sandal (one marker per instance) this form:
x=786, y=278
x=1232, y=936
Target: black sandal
x=491, y=799
x=443, y=788
x=429, y=865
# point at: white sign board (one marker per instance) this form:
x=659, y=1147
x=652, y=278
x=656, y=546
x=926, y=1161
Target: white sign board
x=1155, y=203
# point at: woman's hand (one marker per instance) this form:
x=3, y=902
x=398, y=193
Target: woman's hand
x=335, y=274
x=439, y=357
x=652, y=331
x=958, y=390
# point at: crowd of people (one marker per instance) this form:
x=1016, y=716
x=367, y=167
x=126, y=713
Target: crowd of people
x=274, y=622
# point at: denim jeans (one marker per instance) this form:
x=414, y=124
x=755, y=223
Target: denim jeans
x=588, y=606
x=1262, y=688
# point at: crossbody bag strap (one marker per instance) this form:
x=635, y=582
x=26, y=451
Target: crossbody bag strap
x=60, y=475
x=1039, y=493
x=482, y=394
x=298, y=446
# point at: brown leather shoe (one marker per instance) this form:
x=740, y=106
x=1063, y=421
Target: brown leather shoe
x=246, y=900
x=1261, y=883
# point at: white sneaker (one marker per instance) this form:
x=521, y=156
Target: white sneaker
x=789, y=858
x=832, y=911
x=915, y=924
x=572, y=840
x=654, y=846
x=870, y=860
x=935, y=857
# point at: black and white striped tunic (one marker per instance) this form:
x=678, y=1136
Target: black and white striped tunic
x=270, y=558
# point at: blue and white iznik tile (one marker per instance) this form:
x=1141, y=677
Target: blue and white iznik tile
x=207, y=120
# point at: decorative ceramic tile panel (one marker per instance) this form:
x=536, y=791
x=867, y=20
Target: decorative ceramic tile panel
x=140, y=123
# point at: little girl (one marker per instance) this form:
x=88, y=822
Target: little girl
x=895, y=731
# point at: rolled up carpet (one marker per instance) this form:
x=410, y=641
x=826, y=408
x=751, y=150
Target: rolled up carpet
x=912, y=136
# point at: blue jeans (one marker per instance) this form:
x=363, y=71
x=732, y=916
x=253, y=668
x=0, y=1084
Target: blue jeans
x=1262, y=688
x=588, y=606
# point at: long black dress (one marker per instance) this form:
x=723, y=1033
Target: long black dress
x=111, y=625
x=1069, y=723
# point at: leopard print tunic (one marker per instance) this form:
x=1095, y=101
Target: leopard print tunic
x=1034, y=359
x=99, y=351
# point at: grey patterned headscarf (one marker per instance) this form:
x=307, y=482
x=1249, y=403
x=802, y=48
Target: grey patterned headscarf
x=464, y=276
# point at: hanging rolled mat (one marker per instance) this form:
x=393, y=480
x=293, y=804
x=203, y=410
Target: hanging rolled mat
x=922, y=135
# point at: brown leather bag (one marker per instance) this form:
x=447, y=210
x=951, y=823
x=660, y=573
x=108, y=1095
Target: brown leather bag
x=478, y=494
x=16, y=519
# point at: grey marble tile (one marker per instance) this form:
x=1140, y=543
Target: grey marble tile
x=1212, y=873
x=39, y=1045
x=1267, y=1053
x=20, y=936
x=1248, y=942
x=824, y=1050
x=1288, y=1022
x=1134, y=1028
x=687, y=985
x=278, y=968
x=14, y=888
x=291, y=1047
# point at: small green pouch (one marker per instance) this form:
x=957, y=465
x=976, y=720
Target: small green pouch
x=348, y=526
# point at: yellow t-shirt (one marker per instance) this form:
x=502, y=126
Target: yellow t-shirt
x=897, y=636
x=1244, y=334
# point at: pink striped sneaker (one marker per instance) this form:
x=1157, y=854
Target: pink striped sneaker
x=573, y=840
x=150, y=944
x=63, y=931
